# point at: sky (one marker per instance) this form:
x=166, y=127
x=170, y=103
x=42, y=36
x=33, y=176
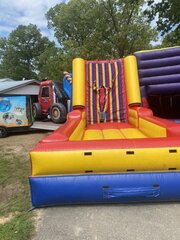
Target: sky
x=16, y=12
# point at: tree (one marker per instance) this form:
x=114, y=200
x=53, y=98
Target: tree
x=172, y=39
x=52, y=64
x=2, y=52
x=20, y=52
x=95, y=29
x=128, y=31
x=166, y=13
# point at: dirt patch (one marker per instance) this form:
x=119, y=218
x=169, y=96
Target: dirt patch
x=38, y=216
x=6, y=219
x=8, y=191
x=21, y=143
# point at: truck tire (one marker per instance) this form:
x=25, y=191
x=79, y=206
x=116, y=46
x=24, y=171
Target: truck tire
x=37, y=111
x=3, y=132
x=58, y=113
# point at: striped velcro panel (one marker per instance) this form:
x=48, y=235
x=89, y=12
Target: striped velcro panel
x=108, y=75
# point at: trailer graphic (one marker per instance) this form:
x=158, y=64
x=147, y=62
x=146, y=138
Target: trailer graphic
x=15, y=114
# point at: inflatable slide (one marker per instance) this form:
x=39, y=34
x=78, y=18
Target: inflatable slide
x=112, y=147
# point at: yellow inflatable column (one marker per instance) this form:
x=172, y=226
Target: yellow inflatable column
x=132, y=80
x=78, y=83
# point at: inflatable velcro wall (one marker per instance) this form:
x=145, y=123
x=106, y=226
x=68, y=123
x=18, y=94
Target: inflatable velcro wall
x=113, y=147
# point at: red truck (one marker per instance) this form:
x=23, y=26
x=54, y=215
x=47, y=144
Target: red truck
x=53, y=102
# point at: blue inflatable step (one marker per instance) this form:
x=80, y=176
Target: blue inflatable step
x=105, y=188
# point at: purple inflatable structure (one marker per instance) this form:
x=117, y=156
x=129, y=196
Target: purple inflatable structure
x=159, y=75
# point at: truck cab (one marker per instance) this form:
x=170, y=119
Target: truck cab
x=53, y=102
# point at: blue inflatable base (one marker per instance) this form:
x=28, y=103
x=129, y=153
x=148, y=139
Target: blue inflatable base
x=105, y=188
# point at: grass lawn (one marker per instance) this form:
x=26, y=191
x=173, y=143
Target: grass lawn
x=15, y=220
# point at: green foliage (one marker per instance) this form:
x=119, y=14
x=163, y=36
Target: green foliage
x=167, y=13
x=100, y=29
x=93, y=29
x=172, y=39
x=52, y=64
x=2, y=47
x=20, y=52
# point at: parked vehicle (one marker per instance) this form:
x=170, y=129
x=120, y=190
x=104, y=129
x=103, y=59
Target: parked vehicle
x=53, y=102
x=15, y=114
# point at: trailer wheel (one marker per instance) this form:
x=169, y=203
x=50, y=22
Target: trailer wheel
x=58, y=113
x=3, y=132
x=37, y=111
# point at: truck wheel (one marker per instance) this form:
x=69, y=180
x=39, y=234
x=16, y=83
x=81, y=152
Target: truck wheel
x=58, y=113
x=3, y=132
x=37, y=111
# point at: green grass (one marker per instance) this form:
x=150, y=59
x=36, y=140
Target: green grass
x=14, y=171
x=19, y=228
